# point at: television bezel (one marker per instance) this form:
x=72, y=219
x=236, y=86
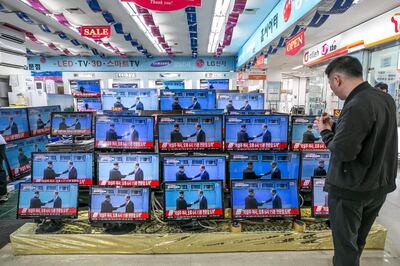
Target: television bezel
x=78, y=113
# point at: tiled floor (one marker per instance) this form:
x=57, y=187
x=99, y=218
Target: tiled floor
x=389, y=217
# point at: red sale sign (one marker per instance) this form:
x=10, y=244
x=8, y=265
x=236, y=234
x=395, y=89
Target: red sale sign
x=95, y=32
x=294, y=45
x=165, y=5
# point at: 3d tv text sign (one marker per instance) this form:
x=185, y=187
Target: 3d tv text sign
x=285, y=14
x=165, y=5
x=294, y=45
x=95, y=32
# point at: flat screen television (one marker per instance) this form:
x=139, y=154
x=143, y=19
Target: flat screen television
x=240, y=101
x=128, y=170
x=112, y=204
x=130, y=99
x=178, y=100
x=174, y=84
x=190, y=132
x=320, y=207
x=216, y=84
x=88, y=104
x=304, y=135
x=63, y=167
x=48, y=200
x=40, y=118
x=18, y=154
x=194, y=168
x=71, y=123
x=125, y=132
x=251, y=112
x=256, y=132
x=85, y=88
x=264, y=198
x=263, y=165
x=314, y=163
x=14, y=123
x=193, y=200
x=204, y=112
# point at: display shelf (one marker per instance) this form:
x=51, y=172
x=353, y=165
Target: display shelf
x=78, y=237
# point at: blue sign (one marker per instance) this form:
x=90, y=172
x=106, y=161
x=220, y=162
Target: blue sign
x=112, y=64
x=283, y=16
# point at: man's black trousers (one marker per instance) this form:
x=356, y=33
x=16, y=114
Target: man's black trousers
x=351, y=221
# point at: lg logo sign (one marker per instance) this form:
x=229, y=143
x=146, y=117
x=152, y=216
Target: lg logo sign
x=396, y=22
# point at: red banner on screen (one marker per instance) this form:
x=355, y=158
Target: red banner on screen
x=129, y=183
x=95, y=32
x=308, y=146
x=165, y=5
x=119, y=216
x=80, y=181
x=21, y=170
x=86, y=94
x=125, y=144
x=294, y=45
x=71, y=132
x=305, y=183
x=21, y=135
x=47, y=211
x=255, y=145
x=321, y=210
x=40, y=131
x=265, y=212
x=194, y=213
x=189, y=145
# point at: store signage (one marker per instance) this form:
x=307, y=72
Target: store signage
x=336, y=112
x=215, y=75
x=95, y=32
x=386, y=76
x=260, y=61
x=125, y=75
x=165, y=5
x=285, y=14
x=381, y=29
x=257, y=75
x=132, y=64
x=294, y=45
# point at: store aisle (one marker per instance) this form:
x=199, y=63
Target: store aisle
x=389, y=217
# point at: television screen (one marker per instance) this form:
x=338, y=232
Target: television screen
x=216, y=84
x=85, y=88
x=125, y=132
x=194, y=168
x=14, y=123
x=271, y=165
x=204, y=112
x=71, y=123
x=304, y=135
x=48, y=200
x=128, y=99
x=18, y=153
x=190, y=132
x=314, y=163
x=193, y=200
x=65, y=101
x=256, y=132
x=320, y=198
x=128, y=169
x=240, y=101
x=174, y=84
x=187, y=99
x=88, y=104
x=39, y=119
x=251, y=112
x=264, y=198
x=62, y=167
x=119, y=204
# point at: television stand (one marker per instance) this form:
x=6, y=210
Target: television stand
x=48, y=226
x=119, y=228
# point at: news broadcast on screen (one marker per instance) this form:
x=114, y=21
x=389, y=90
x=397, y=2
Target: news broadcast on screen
x=71, y=123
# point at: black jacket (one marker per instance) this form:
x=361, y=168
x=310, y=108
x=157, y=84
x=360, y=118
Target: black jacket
x=252, y=203
x=135, y=136
x=139, y=174
x=73, y=173
x=57, y=203
x=201, y=136
x=115, y=175
x=308, y=137
x=111, y=135
x=319, y=171
x=363, y=146
x=176, y=136
x=181, y=204
x=176, y=106
x=250, y=174
x=106, y=207
x=276, y=202
x=181, y=177
x=276, y=174
x=49, y=173
x=36, y=203
x=243, y=137
x=203, y=203
x=129, y=208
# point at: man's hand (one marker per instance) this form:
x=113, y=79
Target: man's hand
x=327, y=119
x=323, y=124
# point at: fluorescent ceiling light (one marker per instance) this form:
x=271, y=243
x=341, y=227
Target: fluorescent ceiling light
x=297, y=67
x=220, y=16
x=130, y=7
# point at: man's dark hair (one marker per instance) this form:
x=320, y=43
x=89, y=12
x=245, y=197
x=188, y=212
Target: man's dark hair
x=108, y=196
x=273, y=190
x=176, y=125
x=176, y=99
x=201, y=192
x=382, y=86
x=249, y=163
x=310, y=126
x=181, y=192
x=56, y=192
x=128, y=197
x=251, y=190
x=194, y=99
x=348, y=65
x=181, y=167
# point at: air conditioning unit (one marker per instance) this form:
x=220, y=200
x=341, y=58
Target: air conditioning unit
x=12, y=48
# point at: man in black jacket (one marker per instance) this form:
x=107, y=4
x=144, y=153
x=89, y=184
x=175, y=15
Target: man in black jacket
x=250, y=202
x=249, y=173
x=49, y=173
x=199, y=134
x=22, y=158
x=176, y=136
x=242, y=136
x=181, y=203
x=111, y=134
x=229, y=107
x=363, y=165
x=308, y=135
x=115, y=174
x=320, y=170
x=106, y=205
x=181, y=175
x=175, y=105
x=203, y=205
x=36, y=202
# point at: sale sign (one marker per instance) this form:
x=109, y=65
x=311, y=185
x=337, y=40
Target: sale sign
x=95, y=32
x=294, y=45
x=165, y=5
